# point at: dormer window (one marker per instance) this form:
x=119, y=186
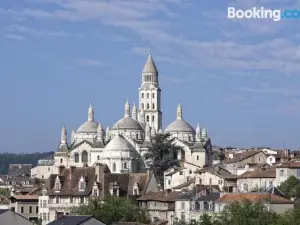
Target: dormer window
x=57, y=186
x=44, y=191
x=81, y=186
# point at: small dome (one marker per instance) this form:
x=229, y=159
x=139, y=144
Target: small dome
x=119, y=143
x=179, y=125
x=88, y=127
x=127, y=123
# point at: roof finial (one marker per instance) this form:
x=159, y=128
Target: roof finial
x=91, y=113
x=179, y=111
x=127, y=109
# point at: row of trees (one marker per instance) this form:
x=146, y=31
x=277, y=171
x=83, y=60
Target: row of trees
x=13, y=158
x=247, y=213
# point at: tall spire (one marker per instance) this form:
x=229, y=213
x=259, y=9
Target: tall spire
x=142, y=116
x=134, y=112
x=91, y=113
x=198, y=133
x=63, y=137
x=179, y=111
x=204, y=133
x=100, y=132
x=127, y=109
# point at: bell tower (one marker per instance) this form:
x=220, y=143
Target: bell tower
x=150, y=95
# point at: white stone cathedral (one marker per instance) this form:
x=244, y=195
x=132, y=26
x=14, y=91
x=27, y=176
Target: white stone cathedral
x=122, y=147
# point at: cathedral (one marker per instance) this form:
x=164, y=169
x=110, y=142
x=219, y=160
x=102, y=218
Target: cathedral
x=123, y=146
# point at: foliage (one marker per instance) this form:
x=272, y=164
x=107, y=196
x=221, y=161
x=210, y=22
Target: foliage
x=291, y=187
x=163, y=154
x=4, y=192
x=245, y=213
x=13, y=158
x=112, y=210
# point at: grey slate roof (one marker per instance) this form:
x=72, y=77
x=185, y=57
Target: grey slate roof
x=3, y=211
x=72, y=220
x=218, y=171
x=192, y=195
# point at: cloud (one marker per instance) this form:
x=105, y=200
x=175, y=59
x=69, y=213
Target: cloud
x=141, y=17
x=36, y=33
x=271, y=90
x=237, y=100
x=89, y=62
x=14, y=37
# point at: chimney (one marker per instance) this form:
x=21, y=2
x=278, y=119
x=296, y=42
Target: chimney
x=61, y=170
x=168, y=191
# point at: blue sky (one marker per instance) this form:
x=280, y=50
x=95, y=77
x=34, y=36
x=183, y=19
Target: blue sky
x=238, y=78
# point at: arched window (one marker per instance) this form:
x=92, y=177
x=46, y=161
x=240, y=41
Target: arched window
x=197, y=157
x=142, y=95
x=143, y=106
x=98, y=157
x=148, y=118
x=114, y=167
x=153, y=106
x=125, y=165
x=153, y=118
x=137, y=136
x=76, y=157
x=61, y=161
x=147, y=95
x=148, y=106
x=153, y=95
x=84, y=157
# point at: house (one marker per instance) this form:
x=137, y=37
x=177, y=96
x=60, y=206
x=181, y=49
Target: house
x=44, y=168
x=285, y=170
x=273, y=202
x=4, y=202
x=191, y=205
x=25, y=205
x=175, y=177
x=217, y=175
x=160, y=205
x=239, y=160
x=76, y=220
x=8, y=217
x=260, y=179
x=75, y=185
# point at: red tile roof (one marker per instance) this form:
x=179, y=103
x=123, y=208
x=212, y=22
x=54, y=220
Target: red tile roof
x=260, y=173
x=293, y=164
x=254, y=197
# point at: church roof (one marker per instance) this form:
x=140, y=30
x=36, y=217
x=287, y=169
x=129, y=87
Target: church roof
x=119, y=143
x=127, y=123
x=150, y=66
x=88, y=127
x=179, y=125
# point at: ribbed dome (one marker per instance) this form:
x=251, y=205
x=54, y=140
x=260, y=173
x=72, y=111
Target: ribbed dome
x=127, y=123
x=119, y=143
x=150, y=66
x=88, y=127
x=179, y=125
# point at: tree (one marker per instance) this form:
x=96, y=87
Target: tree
x=245, y=213
x=112, y=210
x=163, y=154
x=290, y=187
x=291, y=217
x=4, y=192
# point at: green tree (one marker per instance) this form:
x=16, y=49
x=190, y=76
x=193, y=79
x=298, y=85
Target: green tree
x=112, y=210
x=291, y=217
x=290, y=187
x=163, y=154
x=246, y=213
x=4, y=192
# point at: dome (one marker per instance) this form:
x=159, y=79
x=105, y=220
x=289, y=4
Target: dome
x=179, y=125
x=119, y=143
x=88, y=127
x=127, y=123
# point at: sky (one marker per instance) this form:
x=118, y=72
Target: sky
x=238, y=78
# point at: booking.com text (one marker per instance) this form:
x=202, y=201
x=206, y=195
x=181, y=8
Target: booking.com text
x=262, y=13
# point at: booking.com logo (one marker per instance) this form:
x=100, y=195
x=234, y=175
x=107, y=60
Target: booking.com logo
x=262, y=13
